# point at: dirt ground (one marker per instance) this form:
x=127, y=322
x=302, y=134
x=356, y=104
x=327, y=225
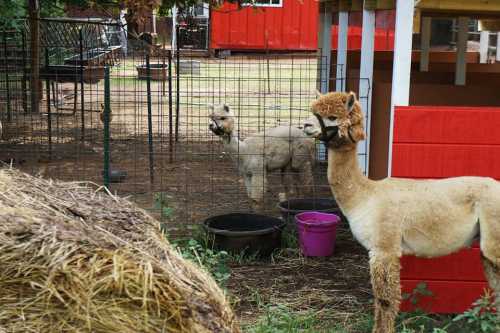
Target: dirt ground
x=338, y=287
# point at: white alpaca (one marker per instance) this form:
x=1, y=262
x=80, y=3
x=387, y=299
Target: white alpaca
x=391, y=217
x=283, y=148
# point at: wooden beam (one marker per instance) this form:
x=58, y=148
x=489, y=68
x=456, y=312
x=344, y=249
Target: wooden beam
x=366, y=78
x=325, y=46
x=341, y=76
x=462, y=36
x=497, y=58
x=425, y=44
x=460, y=5
x=400, y=95
x=484, y=44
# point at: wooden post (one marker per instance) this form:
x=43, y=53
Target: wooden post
x=401, y=64
x=462, y=36
x=425, y=43
x=325, y=40
x=484, y=45
x=366, y=77
x=341, y=76
x=497, y=58
x=34, y=18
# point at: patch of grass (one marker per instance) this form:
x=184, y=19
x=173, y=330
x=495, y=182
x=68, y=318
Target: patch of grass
x=215, y=262
x=279, y=319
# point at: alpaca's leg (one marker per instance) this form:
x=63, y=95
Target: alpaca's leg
x=248, y=185
x=258, y=189
x=384, y=271
x=303, y=179
x=287, y=180
x=489, y=227
x=492, y=272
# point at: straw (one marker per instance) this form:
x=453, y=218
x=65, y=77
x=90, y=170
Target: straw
x=76, y=259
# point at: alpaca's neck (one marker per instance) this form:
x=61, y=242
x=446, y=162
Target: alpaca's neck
x=349, y=185
x=232, y=143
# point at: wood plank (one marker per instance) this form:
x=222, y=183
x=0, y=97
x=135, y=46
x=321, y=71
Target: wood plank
x=447, y=125
x=480, y=6
x=464, y=265
x=447, y=296
x=444, y=160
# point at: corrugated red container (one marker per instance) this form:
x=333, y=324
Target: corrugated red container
x=440, y=142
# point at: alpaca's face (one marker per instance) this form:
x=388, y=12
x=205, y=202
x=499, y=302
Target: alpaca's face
x=221, y=119
x=312, y=128
x=339, y=119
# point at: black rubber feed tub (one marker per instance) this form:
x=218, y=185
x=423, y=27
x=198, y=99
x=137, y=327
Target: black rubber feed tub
x=248, y=233
x=292, y=207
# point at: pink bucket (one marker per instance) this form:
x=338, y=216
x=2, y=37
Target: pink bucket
x=317, y=233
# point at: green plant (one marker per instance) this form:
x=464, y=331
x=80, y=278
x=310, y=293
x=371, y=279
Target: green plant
x=481, y=317
x=417, y=292
x=213, y=261
x=160, y=204
x=279, y=319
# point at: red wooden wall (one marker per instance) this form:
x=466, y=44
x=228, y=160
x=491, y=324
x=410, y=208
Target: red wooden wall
x=439, y=142
x=293, y=27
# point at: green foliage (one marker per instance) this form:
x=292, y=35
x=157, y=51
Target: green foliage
x=160, y=204
x=14, y=10
x=213, y=261
x=279, y=319
x=481, y=318
x=420, y=290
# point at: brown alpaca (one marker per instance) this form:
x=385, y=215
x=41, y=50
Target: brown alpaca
x=392, y=217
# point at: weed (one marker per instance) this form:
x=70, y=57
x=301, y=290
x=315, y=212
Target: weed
x=161, y=204
x=481, y=317
x=419, y=291
x=279, y=319
x=213, y=261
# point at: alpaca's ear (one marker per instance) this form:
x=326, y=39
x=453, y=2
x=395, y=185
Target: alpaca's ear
x=358, y=133
x=226, y=108
x=351, y=99
x=317, y=93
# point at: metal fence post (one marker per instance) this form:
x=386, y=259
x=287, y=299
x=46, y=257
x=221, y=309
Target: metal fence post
x=150, y=121
x=107, y=109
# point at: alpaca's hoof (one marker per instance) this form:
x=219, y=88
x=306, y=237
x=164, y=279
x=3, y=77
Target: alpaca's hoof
x=282, y=197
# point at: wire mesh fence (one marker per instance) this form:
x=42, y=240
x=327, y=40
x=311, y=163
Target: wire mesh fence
x=157, y=104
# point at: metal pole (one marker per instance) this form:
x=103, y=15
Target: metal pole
x=34, y=15
x=82, y=90
x=163, y=72
x=107, y=109
x=6, y=64
x=49, y=115
x=177, y=84
x=150, y=121
x=23, y=83
x=170, y=133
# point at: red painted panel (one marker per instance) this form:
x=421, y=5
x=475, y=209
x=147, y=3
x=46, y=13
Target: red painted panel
x=291, y=27
x=464, y=265
x=445, y=160
x=462, y=125
x=447, y=296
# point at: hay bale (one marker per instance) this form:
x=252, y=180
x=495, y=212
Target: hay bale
x=75, y=259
